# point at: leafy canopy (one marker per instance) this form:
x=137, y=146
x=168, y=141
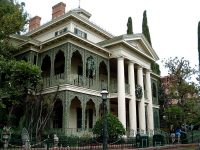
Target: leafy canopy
x=181, y=90
x=17, y=77
x=12, y=21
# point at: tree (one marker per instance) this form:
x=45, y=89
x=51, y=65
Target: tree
x=180, y=88
x=129, y=26
x=12, y=21
x=17, y=78
x=38, y=112
x=145, y=28
x=155, y=68
x=115, y=127
x=22, y=103
x=199, y=42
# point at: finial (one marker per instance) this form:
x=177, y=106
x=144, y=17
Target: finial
x=79, y=6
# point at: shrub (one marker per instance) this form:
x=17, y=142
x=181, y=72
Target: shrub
x=115, y=127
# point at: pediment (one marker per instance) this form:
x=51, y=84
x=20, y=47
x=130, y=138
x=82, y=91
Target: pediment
x=140, y=43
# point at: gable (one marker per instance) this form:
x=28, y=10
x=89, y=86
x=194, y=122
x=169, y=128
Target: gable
x=140, y=47
x=141, y=44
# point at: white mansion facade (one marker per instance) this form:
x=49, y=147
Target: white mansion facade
x=83, y=59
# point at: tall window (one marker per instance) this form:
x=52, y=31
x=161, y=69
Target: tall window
x=46, y=66
x=90, y=118
x=154, y=90
x=59, y=63
x=58, y=114
x=79, y=117
x=35, y=59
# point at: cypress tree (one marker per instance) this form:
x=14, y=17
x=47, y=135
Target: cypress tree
x=129, y=26
x=199, y=42
x=145, y=28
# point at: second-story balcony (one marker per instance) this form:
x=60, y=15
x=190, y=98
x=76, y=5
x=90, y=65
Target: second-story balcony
x=82, y=81
x=75, y=79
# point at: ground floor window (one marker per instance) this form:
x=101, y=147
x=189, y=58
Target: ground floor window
x=156, y=118
x=79, y=117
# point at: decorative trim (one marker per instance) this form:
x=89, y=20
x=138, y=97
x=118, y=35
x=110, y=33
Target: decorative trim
x=138, y=91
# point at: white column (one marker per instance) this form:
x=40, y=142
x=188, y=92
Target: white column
x=141, y=107
x=150, y=123
x=132, y=102
x=121, y=91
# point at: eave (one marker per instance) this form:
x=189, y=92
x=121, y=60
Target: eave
x=57, y=39
x=70, y=35
x=126, y=44
x=67, y=17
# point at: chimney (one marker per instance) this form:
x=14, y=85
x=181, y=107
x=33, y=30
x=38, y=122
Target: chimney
x=58, y=10
x=34, y=23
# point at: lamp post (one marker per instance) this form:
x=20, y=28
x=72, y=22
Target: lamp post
x=104, y=94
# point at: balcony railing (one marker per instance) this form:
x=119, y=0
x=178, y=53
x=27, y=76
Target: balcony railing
x=76, y=80
x=54, y=80
x=114, y=85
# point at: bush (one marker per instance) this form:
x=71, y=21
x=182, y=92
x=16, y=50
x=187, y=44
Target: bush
x=115, y=127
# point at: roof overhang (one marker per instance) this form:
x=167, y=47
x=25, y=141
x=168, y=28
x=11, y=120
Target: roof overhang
x=123, y=40
x=57, y=39
x=66, y=17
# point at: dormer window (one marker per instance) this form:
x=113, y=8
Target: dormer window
x=80, y=33
x=59, y=32
x=56, y=33
x=64, y=30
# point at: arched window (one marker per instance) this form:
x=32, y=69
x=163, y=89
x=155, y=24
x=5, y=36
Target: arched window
x=103, y=75
x=59, y=63
x=76, y=64
x=46, y=66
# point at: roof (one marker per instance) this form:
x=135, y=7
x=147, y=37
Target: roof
x=125, y=38
x=70, y=14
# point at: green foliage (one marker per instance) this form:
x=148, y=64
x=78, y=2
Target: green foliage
x=180, y=83
x=12, y=21
x=199, y=42
x=174, y=114
x=182, y=93
x=19, y=76
x=145, y=28
x=129, y=26
x=155, y=68
x=115, y=127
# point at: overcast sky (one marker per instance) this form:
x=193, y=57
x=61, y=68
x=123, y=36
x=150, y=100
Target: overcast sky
x=172, y=23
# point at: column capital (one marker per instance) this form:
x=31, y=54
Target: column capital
x=120, y=58
x=132, y=62
x=139, y=67
x=148, y=70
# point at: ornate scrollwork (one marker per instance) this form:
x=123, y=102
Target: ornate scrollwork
x=138, y=91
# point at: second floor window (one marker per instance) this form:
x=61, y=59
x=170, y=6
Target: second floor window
x=80, y=33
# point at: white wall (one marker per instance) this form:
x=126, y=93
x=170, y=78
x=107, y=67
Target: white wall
x=51, y=33
x=91, y=36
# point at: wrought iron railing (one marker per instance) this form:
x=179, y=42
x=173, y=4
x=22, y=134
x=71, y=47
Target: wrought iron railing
x=85, y=140
x=82, y=81
x=76, y=80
